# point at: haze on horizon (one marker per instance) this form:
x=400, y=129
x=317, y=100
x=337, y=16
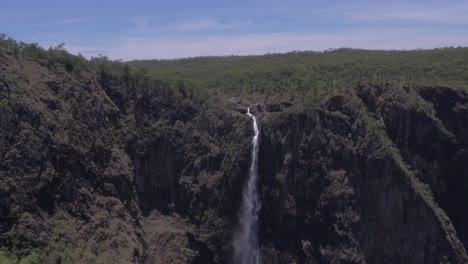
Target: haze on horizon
x=175, y=29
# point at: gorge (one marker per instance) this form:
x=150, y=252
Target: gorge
x=97, y=167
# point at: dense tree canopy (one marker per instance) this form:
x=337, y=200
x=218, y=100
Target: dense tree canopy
x=305, y=76
x=316, y=73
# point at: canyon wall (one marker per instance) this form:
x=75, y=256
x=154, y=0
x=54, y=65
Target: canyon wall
x=95, y=169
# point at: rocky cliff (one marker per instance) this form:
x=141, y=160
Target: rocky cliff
x=96, y=169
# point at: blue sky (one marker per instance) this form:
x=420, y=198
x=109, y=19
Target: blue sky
x=172, y=29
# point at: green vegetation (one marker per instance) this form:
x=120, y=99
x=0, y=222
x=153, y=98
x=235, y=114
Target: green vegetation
x=106, y=240
x=301, y=76
x=51, y=57
x=309, y=75
x=19, y=256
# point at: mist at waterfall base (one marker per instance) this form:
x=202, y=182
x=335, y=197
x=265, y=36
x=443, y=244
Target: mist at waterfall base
x=245, y=241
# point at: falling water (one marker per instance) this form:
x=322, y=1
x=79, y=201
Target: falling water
x=245, y=236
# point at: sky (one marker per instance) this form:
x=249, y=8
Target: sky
x=171, y=29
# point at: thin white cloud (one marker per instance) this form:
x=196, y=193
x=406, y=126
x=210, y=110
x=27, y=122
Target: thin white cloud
x=87, y=51
x=74, y=20
x=65, y=21
x=455, y=13
x=253, y=44
x=140, y=25
x=207, y=24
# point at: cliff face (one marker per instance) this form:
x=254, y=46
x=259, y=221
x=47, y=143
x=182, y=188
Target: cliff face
x=348, y=180
x=99, y=170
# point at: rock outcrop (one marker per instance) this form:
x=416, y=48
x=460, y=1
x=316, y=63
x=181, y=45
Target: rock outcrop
x=95, y=169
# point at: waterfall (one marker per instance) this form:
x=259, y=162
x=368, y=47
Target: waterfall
x=245, y=242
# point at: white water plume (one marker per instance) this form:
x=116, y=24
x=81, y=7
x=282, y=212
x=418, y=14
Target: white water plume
x=245, y=241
